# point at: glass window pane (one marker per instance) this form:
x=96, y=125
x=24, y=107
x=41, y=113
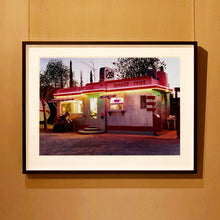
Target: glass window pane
x=93, y=108
x=117, y=107
x=71, y=107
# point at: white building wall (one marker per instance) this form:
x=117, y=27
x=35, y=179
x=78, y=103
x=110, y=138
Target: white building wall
x=134, y=115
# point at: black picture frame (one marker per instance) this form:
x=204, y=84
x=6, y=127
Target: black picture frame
x=27, y=84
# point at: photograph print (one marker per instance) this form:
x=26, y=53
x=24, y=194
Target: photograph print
x=109, y=106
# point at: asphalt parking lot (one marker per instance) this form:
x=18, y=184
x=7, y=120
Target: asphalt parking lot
x=107, y=144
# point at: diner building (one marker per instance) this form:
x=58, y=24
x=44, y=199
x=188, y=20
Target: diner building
x=135, y=104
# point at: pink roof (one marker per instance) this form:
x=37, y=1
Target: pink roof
x=117, y=85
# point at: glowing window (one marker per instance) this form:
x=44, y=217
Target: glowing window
x=75, y=106
x=116, y=100
x=93, y=108
x=117, y=103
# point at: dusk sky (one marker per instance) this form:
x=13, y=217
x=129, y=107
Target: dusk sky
x=86, y=64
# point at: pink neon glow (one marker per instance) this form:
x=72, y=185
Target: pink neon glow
x=141, y=87
x=146, y=82
x=67, y=93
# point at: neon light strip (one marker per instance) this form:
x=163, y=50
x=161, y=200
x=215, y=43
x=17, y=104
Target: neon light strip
x=68, y=93
x=94, y=90
x=141, y=87
x=116, y=89
x=78, y=93
x=62, y=100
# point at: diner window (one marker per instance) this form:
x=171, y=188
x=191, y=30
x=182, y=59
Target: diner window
x=93, y=108
x=75, y=106
x=143, y=101
x=117, y=103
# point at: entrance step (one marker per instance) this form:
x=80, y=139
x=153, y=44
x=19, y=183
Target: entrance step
x=83, y=131
x=92, y=129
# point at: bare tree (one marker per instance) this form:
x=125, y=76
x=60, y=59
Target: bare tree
x=91, y=65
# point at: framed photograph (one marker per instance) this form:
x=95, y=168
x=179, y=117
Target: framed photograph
x=109, y=107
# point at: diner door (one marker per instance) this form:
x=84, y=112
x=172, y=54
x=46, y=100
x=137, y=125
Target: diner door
x=93, y=103
x=97, y=110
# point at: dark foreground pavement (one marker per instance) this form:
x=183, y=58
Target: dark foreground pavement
x=106, y=144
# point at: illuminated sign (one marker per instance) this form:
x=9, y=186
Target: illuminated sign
x=109, y=74
x=121, y=84
x=106, y=73
x=117, y=100
x=130, y=83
